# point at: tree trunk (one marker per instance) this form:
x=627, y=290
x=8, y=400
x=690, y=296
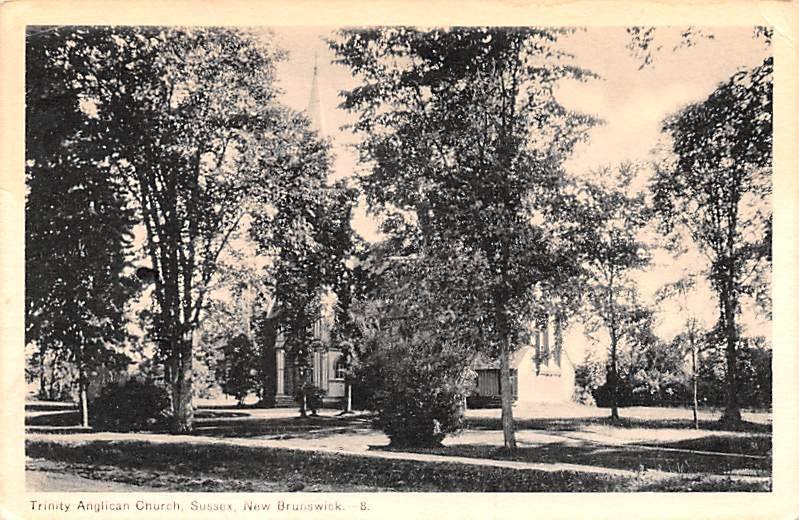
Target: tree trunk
x=505, y=384
x=694, y=380
x=732, y=412
x=614, y=378
x=182, y=409
x=84, y=406
x=303, y=403
x=51, y=389
x=82, y=384
x=506, y=393
x=268, y=350
x=614, y=367
x=348, y=398
x=42, y=372
x=83, y=398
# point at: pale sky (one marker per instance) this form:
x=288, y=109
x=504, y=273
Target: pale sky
x=632, y=103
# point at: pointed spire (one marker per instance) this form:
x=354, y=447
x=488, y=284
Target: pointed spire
x=314, y=104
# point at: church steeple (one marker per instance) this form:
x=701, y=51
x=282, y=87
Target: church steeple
x=314, y=103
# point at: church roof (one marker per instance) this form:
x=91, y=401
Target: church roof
x=315, y=103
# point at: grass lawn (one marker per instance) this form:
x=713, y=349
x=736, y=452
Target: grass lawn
x=654, y=454
x=191, y=467
x=634, y=458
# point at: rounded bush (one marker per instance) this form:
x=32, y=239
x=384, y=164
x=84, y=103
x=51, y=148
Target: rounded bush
x=419, y=417
x=418, y=393
x=134, y=406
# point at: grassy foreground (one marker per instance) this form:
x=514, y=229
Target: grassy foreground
x=229, y=468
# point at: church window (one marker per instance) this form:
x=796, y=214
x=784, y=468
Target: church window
x=339, y=369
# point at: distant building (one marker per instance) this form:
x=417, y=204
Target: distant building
x=326, y=365
x=326, y=368
x=540, y=371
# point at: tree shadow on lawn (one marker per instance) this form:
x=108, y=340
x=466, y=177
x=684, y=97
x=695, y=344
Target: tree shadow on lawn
x=754, y=444
x=580, y=423
x=214, y=414
x=219, y=422
x=246, y=425
x=219, y=467
x=632, y=458
x=50, y=406
x=57, y=418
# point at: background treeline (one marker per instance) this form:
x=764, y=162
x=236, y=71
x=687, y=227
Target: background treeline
x=663, y=377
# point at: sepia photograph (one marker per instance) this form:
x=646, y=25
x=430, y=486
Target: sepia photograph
x=274, y=261
x=397, y=258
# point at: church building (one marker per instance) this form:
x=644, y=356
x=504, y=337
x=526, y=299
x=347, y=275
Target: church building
x=326, y=367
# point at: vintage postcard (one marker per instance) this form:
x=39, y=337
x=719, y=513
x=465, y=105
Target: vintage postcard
x=398, y=260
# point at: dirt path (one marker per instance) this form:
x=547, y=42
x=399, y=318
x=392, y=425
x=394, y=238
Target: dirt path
x=40, y=481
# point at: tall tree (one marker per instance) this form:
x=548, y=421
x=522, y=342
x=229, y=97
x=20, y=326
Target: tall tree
x=612, y=218
x=190, y=119
x=465, y=134
x=78, y=225
x=717, y=188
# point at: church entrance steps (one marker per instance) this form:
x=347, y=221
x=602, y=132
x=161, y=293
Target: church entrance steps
x=288, y=401
x=285, y=401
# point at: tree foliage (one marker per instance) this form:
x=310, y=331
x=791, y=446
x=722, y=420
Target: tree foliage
x=717, y=189
x=753, y=371
x=646, y=42
x=611, y=218
x=135, y=406
x=307, y=236
x=464, y=138
x=189, y=119
x=78, y=220
x=236, y=373
x=415, y=345
x=233, y=310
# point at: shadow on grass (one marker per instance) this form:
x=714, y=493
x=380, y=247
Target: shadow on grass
x=285, y=427
x=580, y=423
x=219, y=467
x=755, y=444
x=213, y=414
x=251, y=406
x=202, y=466
x=45, y=406
x=631, y=458
x=71, y=418
x=220, y=422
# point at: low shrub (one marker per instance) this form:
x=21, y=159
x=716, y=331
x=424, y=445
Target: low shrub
x=419, y=417
x=419, y=332
x=588, y=376
x=136, y=405
x=417, y=402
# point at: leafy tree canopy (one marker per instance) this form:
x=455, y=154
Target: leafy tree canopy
x=716, y=188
